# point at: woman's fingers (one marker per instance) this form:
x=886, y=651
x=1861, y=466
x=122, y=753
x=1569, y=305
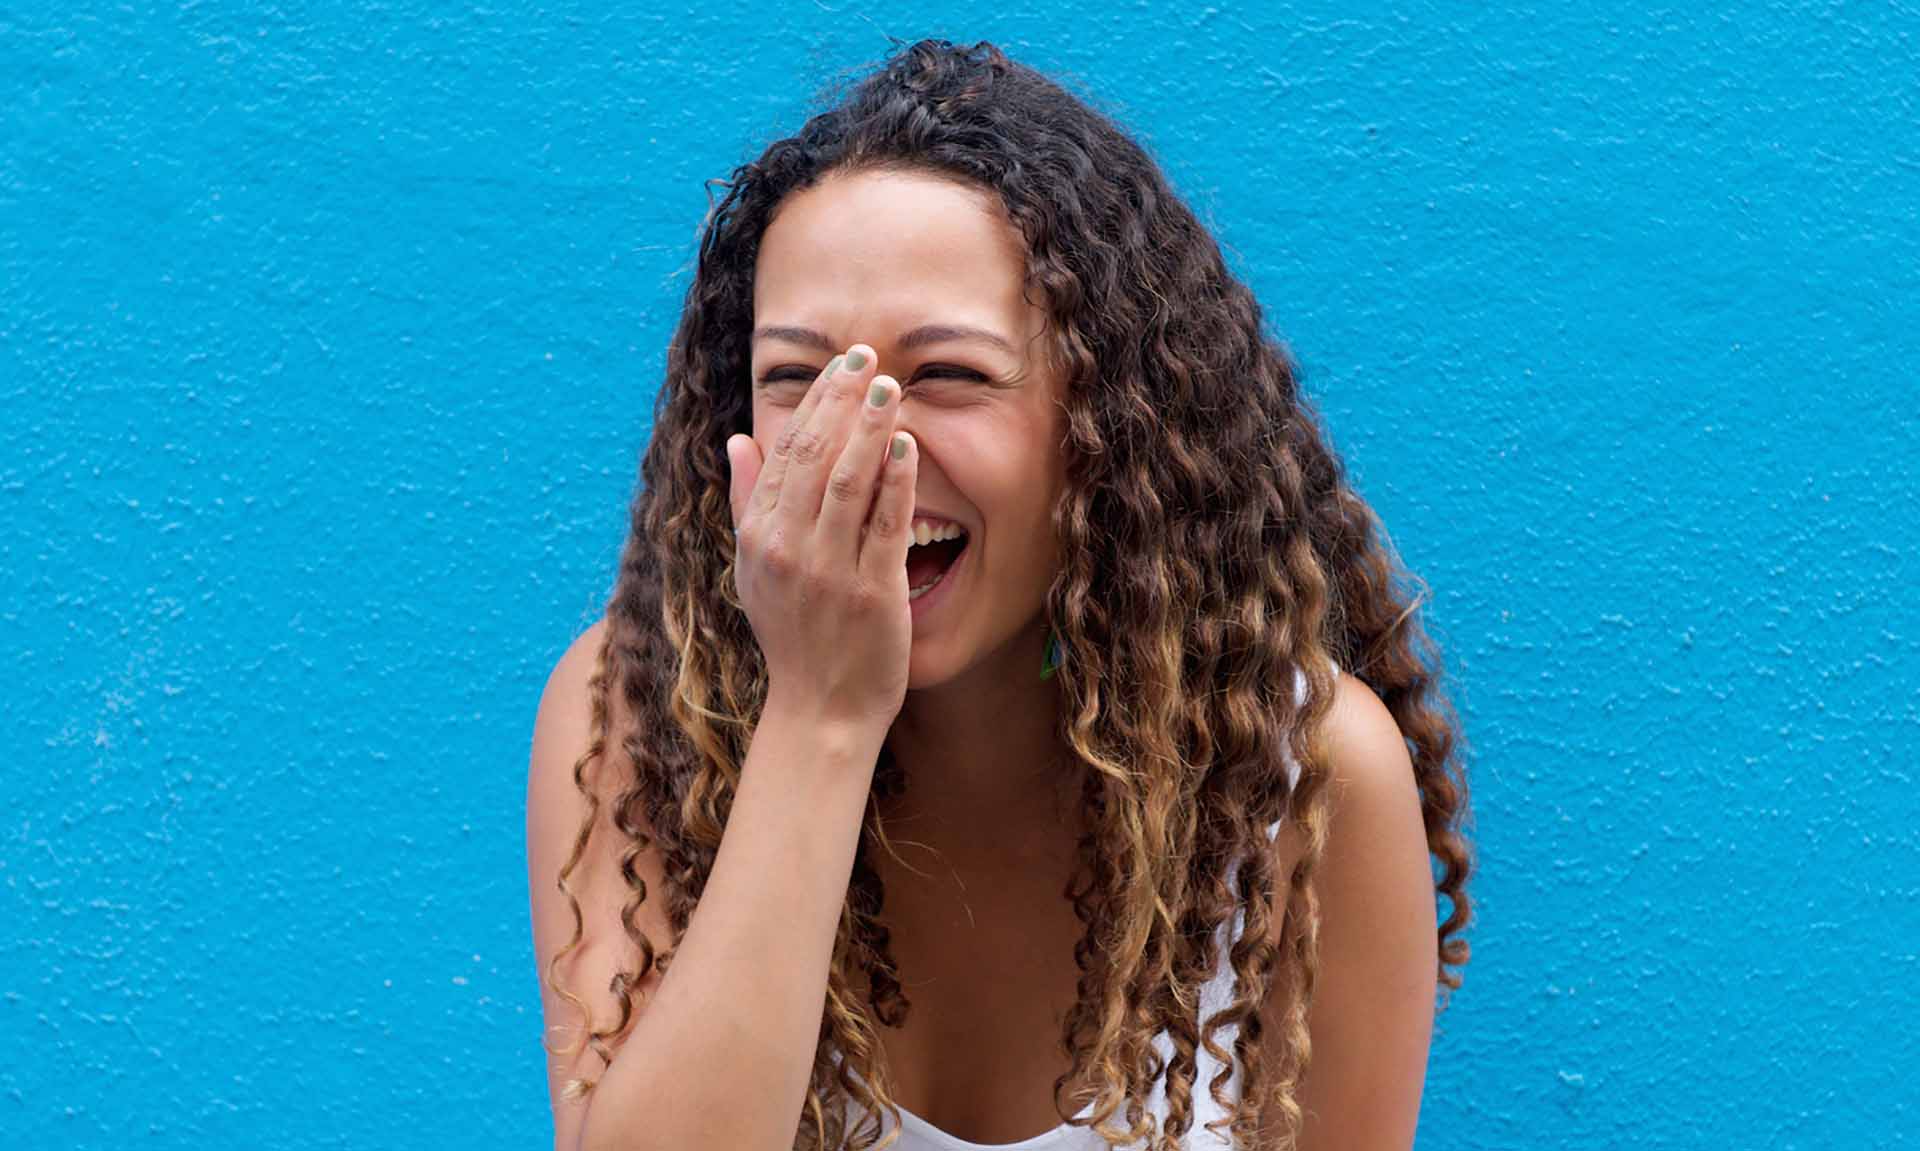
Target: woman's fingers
x=828, y=605
x=766, y=495
x=812, y=447
x=883, y=553
x=850, y=485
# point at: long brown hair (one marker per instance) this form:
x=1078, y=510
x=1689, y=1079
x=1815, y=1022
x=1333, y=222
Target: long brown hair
x=1213, y=548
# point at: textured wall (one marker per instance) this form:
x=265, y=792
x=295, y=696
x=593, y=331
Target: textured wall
x=328, y=335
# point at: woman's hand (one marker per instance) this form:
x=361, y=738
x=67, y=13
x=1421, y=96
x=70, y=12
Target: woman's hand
x=822, y=530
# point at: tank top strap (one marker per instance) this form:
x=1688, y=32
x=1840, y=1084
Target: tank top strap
x=1286, y=753
x=1287, y=756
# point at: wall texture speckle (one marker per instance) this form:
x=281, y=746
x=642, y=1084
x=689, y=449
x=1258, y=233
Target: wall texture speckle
x=328, y=337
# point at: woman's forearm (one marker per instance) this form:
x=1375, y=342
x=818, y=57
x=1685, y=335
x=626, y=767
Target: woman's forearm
x=722, y=1052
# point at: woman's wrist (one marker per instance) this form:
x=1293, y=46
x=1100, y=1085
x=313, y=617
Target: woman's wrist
x=812, y=737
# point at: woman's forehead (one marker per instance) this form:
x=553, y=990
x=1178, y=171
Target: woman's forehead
x=879, y=235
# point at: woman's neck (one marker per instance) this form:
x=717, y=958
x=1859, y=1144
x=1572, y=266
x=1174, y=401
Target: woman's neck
x=986, y=776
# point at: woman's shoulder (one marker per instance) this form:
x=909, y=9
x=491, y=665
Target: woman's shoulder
x=578, y=759
x=572, y=672
x=1373, y=996
x=1370, y=781
x=566, y=727
x=571, y=795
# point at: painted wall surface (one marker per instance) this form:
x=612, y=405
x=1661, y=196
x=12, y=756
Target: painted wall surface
x=328, y=338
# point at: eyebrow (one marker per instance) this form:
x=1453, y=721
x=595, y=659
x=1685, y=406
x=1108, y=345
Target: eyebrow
x=918, y=337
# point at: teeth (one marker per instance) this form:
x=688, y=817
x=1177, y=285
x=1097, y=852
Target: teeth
x=925, y=533
x=923, y=589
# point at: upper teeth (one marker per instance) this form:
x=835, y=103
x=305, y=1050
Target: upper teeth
x=925, y=533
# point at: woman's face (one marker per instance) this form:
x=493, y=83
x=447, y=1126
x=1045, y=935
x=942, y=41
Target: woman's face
x=884, y=259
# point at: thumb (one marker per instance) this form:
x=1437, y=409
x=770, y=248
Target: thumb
x=743, y=468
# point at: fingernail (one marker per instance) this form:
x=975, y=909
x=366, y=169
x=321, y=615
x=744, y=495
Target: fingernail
x=877, y=393
x=856, y=359
x=833, y=365
x=899, y=445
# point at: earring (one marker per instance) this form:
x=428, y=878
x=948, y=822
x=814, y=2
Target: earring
x=1051, y=662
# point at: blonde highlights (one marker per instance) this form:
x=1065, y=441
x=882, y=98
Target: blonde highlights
x=1213, y=549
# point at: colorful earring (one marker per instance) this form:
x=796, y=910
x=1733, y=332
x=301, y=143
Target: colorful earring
x=1051, y=662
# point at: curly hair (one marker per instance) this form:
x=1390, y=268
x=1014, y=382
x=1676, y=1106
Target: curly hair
x=1214, y=551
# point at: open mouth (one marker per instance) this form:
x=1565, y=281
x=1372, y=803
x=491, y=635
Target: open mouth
x=928, y=563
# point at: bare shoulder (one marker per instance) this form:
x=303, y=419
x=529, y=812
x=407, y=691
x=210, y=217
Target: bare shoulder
x=1368, y=756
x=1372, y=1011
x=1370, y=775
x=557, y=812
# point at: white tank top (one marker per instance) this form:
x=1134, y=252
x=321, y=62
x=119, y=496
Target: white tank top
x=916, y=1134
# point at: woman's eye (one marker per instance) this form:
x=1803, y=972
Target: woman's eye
x=807, y=375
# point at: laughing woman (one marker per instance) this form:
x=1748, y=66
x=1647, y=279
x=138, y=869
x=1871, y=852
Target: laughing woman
x=1008, y=728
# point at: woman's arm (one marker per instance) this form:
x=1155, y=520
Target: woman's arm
x=722, y=1046
x=1371, y=1021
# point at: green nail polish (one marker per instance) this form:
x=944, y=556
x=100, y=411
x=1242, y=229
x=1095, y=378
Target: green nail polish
x=877, y=394
x=833, y=365
x=899, y=445
x=856, y=360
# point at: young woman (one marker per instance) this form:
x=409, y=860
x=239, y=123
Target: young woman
x=1006, y=730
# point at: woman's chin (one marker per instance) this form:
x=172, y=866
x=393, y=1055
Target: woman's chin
x=928, y=665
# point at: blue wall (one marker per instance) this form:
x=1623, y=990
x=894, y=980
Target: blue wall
x=328, y=335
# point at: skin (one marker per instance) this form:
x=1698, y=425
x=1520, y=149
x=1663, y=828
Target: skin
x=1372, y=1013
x=868, y=259
x=983, y=932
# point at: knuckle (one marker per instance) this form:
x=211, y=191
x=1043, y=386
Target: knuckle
x=808, y=446
x=777, y=556
x=783, y=443
x=844, y=485
x=887, y=522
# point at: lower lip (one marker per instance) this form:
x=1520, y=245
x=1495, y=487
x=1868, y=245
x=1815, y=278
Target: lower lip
x=938, y=592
